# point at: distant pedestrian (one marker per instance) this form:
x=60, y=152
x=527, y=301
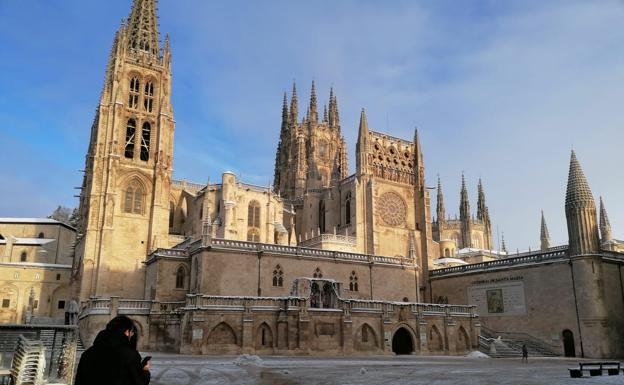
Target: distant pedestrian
x=525, y=354
x=113, y=358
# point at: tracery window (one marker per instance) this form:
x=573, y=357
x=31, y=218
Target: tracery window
x=180, y=276
x=148, y=97
x=278, y=276
x=130, y=133
x=145, y=141
x=317, y=273
x=321, y=216
x=133, y=98
x=133, y=199
x=353, y=282
x=348, y=209
x=253, y=222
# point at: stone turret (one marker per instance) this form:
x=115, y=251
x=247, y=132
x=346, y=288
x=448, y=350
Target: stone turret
x=544, y=236
x=605, y=226
x=580, y=212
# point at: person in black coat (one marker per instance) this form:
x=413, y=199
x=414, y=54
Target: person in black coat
x=113, y=358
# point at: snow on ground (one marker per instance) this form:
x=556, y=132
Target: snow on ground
x=168, y=369
x=477, y=354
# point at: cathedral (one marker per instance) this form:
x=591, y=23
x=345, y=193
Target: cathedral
x=321, y=262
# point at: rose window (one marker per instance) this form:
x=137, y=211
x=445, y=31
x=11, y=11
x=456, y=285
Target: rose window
x=392, y=209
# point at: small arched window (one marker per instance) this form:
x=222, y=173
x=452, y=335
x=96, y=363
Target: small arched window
x=180, y=277
x=321, y=216
x=145, y=141
x=23, y=256
x=133, y=199
x=41, y=235
x=317, y=273
x=133, y=98
x=253, y=222
x=348, y=209
x=148, y=96
x=130, y=134
x=278, y=276
x=447, y=253
x=353, y=282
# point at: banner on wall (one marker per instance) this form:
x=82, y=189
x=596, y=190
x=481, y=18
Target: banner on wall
x=498, y=297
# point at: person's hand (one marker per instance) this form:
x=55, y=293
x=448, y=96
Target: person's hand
x=147, y=366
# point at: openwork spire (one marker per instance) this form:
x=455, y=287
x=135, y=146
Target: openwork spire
x=464, y=204
x=285, y=117
x=143, y=27
x=294, y=105
x=605, y=226
x=544, y=235
x=481, y=209
x=312, y=111
x=440, y=211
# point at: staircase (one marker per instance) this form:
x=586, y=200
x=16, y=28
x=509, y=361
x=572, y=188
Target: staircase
x=507, y=345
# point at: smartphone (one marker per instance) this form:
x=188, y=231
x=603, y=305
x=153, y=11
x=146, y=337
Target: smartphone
x=144, y=362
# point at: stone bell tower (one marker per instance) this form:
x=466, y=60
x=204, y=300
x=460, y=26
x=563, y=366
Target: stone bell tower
x=125, y=190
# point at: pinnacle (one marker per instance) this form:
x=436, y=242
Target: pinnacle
x=578, y=192
x=544, y=235
x=143, y=27
x=363, y=122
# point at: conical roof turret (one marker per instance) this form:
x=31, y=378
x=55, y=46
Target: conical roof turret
x=580, y=212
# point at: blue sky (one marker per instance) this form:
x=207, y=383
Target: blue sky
x=499, y=90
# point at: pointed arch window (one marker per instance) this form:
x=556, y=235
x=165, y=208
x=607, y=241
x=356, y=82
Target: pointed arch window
x=148, y=96
x=130, y=133
x=348, y=209
x=278, y=276
x=23, y=256
x=180, y=277
x=133, y=97
x=171, y=214
x=321, y=216
x=353, y=282
x=253, y=221
x=145, y=141
x=133, y=199
x=317, y=273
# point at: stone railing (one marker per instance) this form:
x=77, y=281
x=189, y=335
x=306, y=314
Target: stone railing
x=129, y=306
x=305, y=252
x=235, y=303
x=178, y=252
x=254, y=187
x=418, y=308
x=187, y=185
x=537, y=257
x=330, y=238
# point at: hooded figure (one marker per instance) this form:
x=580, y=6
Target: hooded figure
x=112, y=360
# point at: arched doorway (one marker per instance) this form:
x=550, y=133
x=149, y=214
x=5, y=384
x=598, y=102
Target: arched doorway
x=568, y=344
x=402, y=342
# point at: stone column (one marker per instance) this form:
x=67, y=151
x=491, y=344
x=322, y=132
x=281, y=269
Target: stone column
x=247, y=342
x=450, y=337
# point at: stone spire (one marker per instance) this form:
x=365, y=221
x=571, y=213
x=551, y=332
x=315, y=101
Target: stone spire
x=580, y=212
x=605, y=226
x=143, y=27
x=294, y=106
x=325, y=118
x=464, y=216
x=362, y=143
x=544, y=235
x=419, y=162
x=285, y=117
x=481, y=209
x=503, y=245
x=334, y=120
x=312, y=111
x=440, y=212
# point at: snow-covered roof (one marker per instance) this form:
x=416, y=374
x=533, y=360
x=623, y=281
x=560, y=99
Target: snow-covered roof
x=36, y=264
x=446, y=261
x=29, y=241
x=38, y=221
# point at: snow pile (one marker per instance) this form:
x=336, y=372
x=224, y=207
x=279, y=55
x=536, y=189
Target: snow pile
x=248, y=360
x=477, y=354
